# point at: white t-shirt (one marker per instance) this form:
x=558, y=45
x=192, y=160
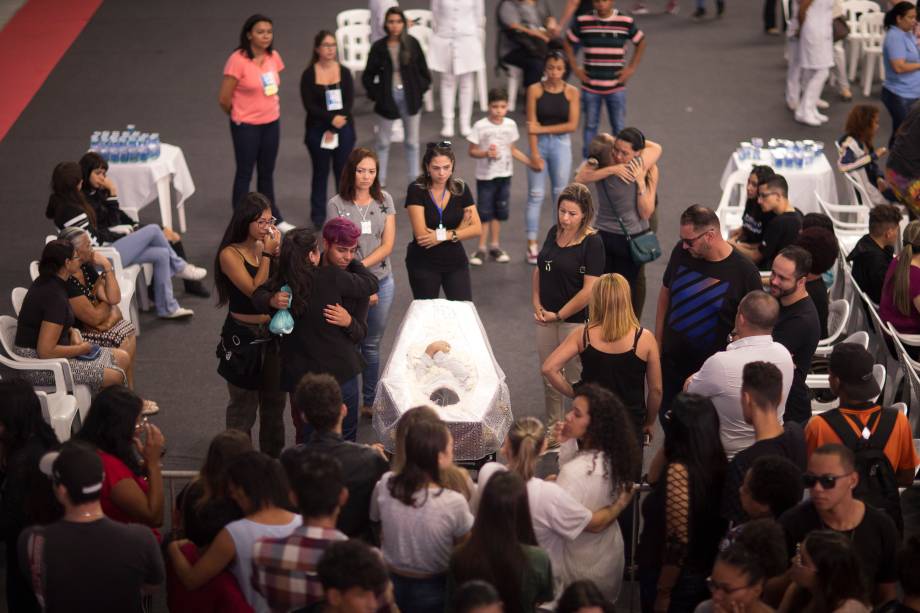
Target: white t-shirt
x=557, y=517
x=245, y=533
x=502, y=135
x=420, y=539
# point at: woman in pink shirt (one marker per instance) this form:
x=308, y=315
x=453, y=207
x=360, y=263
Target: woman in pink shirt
x=249, y=94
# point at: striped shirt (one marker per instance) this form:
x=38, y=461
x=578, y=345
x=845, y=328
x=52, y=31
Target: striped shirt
x=604, y=42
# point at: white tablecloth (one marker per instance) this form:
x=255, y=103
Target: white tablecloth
x=803, y=182
x=139, y=183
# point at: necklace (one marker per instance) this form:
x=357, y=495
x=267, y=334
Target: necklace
x=548, y=263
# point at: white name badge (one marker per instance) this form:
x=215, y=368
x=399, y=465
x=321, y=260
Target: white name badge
x=440, y=234
x=334, y=100
x=365, y=227
x=269, y=84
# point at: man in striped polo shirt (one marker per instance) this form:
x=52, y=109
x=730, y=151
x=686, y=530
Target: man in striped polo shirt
x=603, y=35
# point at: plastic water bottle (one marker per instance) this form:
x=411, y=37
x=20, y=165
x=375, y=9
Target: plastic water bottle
x=154, y=146
x=131, y=129
x=122, y=149
x=94, y=142
x=142, y=151
x=133, y=154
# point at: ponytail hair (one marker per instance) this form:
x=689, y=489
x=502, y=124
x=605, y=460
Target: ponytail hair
x=902, y=299
x=897, y=11
x=525, y=438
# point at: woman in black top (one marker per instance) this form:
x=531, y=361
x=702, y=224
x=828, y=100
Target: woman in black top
x=616, y=353
x=442, y=213
x=683, y=528
x=45, y=327
x=315, y=345
x=753, y=219
x=328, y=92
x=253, y=368
x=571, y=260
x=26, y=496
x=102, y=194
x=396, y=78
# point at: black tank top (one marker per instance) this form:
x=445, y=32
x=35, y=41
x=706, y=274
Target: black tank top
x=552, y=109
x=239, y=302
x=621, y=373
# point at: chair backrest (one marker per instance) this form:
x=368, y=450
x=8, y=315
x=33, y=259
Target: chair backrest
x=33, y=269
x=838, y=313
x=419, y=17
x=8, y=335
x=855, y=8
x=859, y=338
x=879, y=372
x=423, y=35
x=17, y=296
x=872, y=28
x=354, y=43
x=856, y=217
x=856, y=187
x=351, y=17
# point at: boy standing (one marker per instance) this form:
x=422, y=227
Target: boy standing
x=492, y=143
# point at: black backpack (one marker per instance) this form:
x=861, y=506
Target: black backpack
x=878, y=485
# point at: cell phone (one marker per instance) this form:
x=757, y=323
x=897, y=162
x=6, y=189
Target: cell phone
x=92, y=355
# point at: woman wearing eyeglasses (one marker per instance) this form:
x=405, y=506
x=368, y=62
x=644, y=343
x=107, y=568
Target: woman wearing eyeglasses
x=826, y=577
x=328, y=92
x=442, y=213
x=249, y=358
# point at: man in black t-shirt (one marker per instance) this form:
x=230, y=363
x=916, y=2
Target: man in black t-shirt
x=830, y=478
x=704, y=281
x=781, y=229
x=873, y=253
x=87, y=562
x=798, y=328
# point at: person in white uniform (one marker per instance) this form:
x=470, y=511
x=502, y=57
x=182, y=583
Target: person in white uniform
x=378, y=9
x=816, y=57
x=456, y=52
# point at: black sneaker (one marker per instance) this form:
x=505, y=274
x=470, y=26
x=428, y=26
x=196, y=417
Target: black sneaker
x=699, y=14
x=478, y=257
x=499, y=255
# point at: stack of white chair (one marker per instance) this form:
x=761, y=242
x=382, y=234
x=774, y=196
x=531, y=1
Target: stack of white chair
x=871, y=27
x=731, y=205
x=850, y=221
x=854, y=9
x=354, y=45
x=353, y=17
x=422, y=33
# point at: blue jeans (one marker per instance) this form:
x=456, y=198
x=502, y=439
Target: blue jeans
x=148, y=245
x=591, y=111
x=420, y=595
x=322, y=159
x=385, y=133
x=556, y=151
x=898, y=107
x=370, y=346
x=255, y=145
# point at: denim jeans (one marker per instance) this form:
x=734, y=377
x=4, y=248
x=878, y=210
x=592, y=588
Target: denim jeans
x=419, y=595
x=322, y=159
x=370, y=346
x=556, y=151
x=148, y=245
x=255, y=145
x=898, y=108
x=591, y=111
x=303, y=430
x=385, y=132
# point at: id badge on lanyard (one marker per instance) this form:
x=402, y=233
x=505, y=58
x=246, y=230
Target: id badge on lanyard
x=269, y=83
x=440, y=233
x=334, y=99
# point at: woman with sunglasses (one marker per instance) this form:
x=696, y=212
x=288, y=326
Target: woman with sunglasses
x=826, y=577
x=442, y=213
x=249, y=355
x=328, y=93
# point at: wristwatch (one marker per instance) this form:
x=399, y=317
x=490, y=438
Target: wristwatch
x=453, y=236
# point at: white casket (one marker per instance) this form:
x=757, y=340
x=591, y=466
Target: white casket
x=466, y=387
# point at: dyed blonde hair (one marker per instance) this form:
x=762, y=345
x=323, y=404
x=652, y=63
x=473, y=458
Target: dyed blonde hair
x=610, y=308
x=526, y=438
x=902, y=299
x=581, y=196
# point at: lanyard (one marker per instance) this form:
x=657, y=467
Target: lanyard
x=440, y=208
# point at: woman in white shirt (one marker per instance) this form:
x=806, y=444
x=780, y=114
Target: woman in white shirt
x=599, y=459
x=421, y=520
x=456, y=51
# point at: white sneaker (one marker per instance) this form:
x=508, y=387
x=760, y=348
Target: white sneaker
x=808, y=120
x=447, y=130
x=285, y=227
x=465, y=131
x=192, y=273
x=178, y=314
x=821, y=117
x=822, y=104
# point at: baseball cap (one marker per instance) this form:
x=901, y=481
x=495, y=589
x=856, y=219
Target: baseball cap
x=77, y=467
x=852, y=365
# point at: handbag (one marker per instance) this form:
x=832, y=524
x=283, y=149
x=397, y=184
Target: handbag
x=840, y=28
x=643, y=247
x=239, y=354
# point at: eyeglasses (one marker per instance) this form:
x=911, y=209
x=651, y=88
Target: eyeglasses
x=725, y=589
x=266, y=222
x=827, y=481
x=765, y=195
x=444, y=144
x=688, y=242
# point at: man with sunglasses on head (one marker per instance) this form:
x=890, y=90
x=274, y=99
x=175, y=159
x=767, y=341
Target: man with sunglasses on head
x=704, y=282
x=783, y=225
x=830, y=479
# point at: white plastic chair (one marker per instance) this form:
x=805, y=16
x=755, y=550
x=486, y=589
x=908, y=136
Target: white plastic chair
x=352, y=17
x=859, y=338
x=515, y=80
x=419, y=17
x=422, y=34
x=59, y=410
x=482, y=85
x=354, y=44
x=731, y=204
x=838, y=313
x=850, y=222
x=819, y=382
x=853, y=10
x=872, y=28
x=909, y=367
x=58, y=366
x=17, y=296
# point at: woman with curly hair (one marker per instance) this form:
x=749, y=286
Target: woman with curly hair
x=858, y=156
x=599, y=460
x=826, y=577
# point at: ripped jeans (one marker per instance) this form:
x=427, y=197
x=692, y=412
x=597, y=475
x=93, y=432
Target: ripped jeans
x=556, y=151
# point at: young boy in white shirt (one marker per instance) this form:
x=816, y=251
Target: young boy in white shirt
x=492, y=144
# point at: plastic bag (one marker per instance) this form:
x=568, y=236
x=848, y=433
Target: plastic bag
x=282, y=322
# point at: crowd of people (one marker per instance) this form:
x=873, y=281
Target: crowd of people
x=332, y=525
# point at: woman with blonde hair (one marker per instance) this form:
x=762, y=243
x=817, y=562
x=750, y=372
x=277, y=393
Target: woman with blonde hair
x=901, y=291
x=616, y=352
x=571, y=260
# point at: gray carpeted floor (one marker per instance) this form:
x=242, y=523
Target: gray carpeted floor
x=701, y=88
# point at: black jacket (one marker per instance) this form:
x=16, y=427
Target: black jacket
x=378, y=78
x=870, y=264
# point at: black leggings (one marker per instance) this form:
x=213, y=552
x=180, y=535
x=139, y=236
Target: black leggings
x=530, y=64
x=426, y=284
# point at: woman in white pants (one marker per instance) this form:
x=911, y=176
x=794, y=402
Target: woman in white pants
x=456, y=52
x=816, y=57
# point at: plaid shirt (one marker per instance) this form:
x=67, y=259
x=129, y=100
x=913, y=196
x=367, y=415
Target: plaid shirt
x=284, y=570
